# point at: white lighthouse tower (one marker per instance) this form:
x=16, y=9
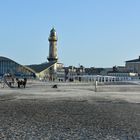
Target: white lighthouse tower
x=52, y=58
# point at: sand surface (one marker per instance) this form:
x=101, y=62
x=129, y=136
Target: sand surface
x=71, y=111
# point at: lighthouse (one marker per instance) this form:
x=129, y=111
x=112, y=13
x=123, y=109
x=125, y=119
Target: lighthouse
x=52, y=58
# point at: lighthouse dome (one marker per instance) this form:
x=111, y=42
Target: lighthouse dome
x=52, y=32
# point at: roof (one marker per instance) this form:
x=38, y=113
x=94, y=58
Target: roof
x=40, y=67
x=2, y=58
x=52, y=30
x=118, y=72
x=5, y=59
x=134, y=60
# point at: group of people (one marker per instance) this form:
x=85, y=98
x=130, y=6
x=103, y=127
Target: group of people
x=21, y=82
x=10, y=80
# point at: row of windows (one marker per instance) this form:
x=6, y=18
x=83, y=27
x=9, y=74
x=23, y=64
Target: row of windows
x=12, y=67
x=7, y=66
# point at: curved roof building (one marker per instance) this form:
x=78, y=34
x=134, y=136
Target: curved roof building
x=9, y=66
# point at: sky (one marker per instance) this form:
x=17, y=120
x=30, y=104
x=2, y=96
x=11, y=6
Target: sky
x=92, y=33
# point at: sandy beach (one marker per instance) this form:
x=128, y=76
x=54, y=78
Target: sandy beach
x=73, y=111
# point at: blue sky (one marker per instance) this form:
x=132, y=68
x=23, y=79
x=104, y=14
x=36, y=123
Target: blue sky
x=99, y=33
